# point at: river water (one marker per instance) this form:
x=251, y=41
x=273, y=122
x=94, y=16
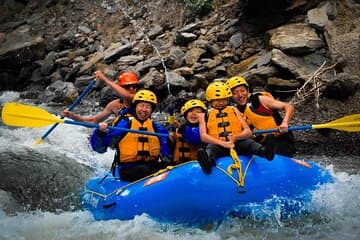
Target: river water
x=334, y=210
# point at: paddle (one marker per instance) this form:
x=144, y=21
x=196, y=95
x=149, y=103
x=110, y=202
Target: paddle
x=20, y=115
x=350, y=123
x=71, y=107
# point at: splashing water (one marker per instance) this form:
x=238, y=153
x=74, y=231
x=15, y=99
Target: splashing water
x=332, y=213
x=8, y=96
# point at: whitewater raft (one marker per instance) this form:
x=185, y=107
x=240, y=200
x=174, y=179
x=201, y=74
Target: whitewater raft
x=184, y=194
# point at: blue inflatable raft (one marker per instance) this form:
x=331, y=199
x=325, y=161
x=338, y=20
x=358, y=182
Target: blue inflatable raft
x=184, y=194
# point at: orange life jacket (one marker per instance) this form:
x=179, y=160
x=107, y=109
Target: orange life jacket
x=259, y=117
x=221, y=123
x=134, y=147
x=183, y=151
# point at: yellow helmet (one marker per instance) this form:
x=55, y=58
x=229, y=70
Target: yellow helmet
x=192, y=103
x=146, y=96
x=236, y=81
x=217, y=90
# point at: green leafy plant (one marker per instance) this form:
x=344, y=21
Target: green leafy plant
x=196, y=8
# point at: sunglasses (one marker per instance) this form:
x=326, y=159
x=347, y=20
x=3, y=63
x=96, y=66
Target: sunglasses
x=133, y=86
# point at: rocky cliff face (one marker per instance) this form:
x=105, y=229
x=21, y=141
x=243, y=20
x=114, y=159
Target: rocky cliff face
x=306, y=52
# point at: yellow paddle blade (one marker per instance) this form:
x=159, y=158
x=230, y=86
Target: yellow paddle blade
x=350, y=123
x=20, y=115
x=348, y=126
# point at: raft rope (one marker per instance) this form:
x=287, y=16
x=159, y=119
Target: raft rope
x=229, y=173
x=237, y=166
x=120, y=189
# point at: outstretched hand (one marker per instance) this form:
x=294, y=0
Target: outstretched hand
x=66, y=113
x=103, y=127
x=99, y=75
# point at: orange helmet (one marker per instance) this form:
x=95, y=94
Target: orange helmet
x=127, y=78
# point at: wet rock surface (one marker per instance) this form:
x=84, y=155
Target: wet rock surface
x=42, y=181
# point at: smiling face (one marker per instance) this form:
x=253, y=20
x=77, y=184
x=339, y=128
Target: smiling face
x=219, y=103
x=240, y=95
x=143, y=110
x=192, y=115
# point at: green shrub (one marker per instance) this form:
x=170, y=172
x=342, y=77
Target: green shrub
x=197, y=8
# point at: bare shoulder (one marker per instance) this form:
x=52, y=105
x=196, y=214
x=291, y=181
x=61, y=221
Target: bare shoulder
x=264, y=98
x=271, y=103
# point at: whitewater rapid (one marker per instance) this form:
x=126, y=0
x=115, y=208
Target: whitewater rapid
x=334, y=210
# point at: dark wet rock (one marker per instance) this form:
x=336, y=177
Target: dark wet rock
x=283, y=88
x=72, y=73
x=300, y=67
x=59, y=91
x=342, y=87
x=37, y=181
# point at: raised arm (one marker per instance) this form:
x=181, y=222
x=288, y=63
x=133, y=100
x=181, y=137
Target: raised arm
x=121, y=91
x=287, y=108
x=110, y=109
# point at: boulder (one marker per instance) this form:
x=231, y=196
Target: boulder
x=36, y=180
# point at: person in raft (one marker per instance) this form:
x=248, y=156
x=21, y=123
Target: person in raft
x=261, y=112
x=186, y=137
x=137, y=155
x=126, y=88
x=223, y=127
